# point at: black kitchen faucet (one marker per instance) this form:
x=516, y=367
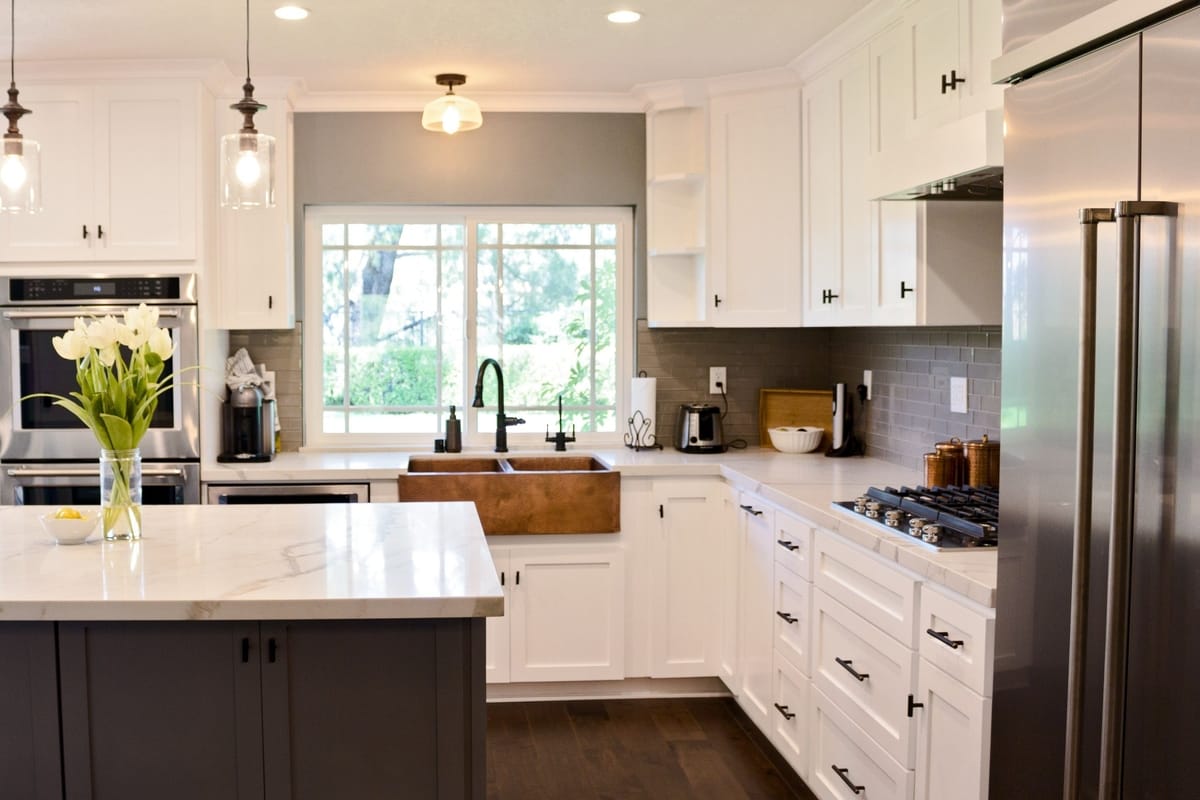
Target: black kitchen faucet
x=502, y=420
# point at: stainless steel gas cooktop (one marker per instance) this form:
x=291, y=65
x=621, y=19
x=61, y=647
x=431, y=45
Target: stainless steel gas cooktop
x=937, y=518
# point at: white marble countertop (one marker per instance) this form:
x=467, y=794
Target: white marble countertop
x=804, y=484
x=247, y=562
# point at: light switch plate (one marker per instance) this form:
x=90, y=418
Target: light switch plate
x=867, y=382
x=958, y=395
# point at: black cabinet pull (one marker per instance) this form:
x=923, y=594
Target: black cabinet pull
x=271, y=650
x=786, y=617
x=270, y=301
x=502, y=578
x=944, y=638
x=905, y=290
x=751, y=509
x=951, y=84
x=716, y=300
x=660, y=511
x=518, y=577
x=842, y=773
x=85, y=233
x=849, y=667
x=99, y=231
x=790, y=546
x=912, y=705
x=245, y=649
x=784, y=710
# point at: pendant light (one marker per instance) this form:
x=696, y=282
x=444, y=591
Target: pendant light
x=247, y=157
x=451, y=113
x=21, y=169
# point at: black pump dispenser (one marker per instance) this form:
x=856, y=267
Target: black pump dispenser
x=453, y=433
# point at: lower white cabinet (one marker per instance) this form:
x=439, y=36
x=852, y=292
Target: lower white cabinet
x=847, y=763
x=953, y=744
x=756, y=615
x=793, y=617
x=791, y=715
x=564, y=614
x=729, y=576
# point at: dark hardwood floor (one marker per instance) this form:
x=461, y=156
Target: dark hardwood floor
x=659, y=749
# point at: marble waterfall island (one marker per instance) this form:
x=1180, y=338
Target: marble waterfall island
x=248, y=651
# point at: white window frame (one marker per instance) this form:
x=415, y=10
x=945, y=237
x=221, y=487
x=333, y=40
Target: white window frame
x=519, y=437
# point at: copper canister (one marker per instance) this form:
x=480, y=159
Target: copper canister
x=938, y=469
x=957, y=470
x=983, y=463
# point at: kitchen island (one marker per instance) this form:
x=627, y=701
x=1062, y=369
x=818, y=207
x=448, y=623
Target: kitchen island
x=248, y=651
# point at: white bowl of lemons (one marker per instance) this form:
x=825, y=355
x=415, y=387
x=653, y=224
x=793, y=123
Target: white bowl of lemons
x=69, y=525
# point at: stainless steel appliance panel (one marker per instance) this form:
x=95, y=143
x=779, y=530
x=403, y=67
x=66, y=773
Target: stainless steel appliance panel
x=1071, y=143
x=254, y=493
x=1026, y=20
x=78, y=484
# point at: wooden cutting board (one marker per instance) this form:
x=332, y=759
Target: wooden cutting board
x=809, y=408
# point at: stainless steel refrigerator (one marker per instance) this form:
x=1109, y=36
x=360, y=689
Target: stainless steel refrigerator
x=1102, y=171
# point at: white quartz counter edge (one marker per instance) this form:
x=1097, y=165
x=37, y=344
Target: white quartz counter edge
x=805, y=485
x=211, y=562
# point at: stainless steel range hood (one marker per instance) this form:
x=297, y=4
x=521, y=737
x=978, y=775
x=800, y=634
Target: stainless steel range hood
x=962, y=160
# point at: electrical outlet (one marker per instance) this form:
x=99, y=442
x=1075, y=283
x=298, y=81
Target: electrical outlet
x=958, y=395
x=867, y=382
x=716, y=375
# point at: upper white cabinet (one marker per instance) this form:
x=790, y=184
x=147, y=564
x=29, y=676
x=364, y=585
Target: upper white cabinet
x=754, y=161
x=257, y=275
x=121, y=172
x=837, y=212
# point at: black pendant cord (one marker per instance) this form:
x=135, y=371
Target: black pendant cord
x=248, y=106
x=247, y=41
x=12, y=110
x=12, y=42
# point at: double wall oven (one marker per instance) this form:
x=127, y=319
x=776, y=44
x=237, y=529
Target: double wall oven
x=47, y=457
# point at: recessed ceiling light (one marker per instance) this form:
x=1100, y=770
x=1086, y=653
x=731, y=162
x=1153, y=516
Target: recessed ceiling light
x=291, y=12
x=624, y=17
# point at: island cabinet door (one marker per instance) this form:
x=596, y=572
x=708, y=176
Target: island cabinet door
x=160, y=709
x=373, y=709
x=29, y=758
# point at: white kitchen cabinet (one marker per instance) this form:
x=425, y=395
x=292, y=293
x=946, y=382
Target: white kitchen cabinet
x=256, y=270
x=880, y=592
x=566, y=608
x=756, y=613
x=729, y=588
x=846, y=763
x=953, y=738
x=684, y=592
x=121, y=172
x=754, y=252
x=793, y=617
x=791, y=715
x=496, y=629
x=837, y=211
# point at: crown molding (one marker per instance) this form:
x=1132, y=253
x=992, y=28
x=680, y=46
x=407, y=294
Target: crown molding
x=749, y=81
x=663, y=95
x=122, y=69
x=868, y=23
x=578, y=102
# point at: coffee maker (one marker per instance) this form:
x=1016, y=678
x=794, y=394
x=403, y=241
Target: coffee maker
x=248, y=432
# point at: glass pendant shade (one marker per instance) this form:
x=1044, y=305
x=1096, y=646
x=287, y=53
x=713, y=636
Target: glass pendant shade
x=451, y=113
x=21, y=177
x=247, y=170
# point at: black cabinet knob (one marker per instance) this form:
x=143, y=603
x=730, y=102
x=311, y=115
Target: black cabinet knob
x=905, y=290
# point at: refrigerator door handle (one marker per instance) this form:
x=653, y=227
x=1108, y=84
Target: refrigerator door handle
x=1116, y=653
x=1089, y=221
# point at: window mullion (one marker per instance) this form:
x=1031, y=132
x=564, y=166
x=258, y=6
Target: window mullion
x=346, y=329
x=470, y=354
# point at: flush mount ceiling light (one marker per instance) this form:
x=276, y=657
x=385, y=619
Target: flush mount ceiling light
x=451, y=112
x=624, y=17
x=247, y=157
x=291, y=13
x=20, y=172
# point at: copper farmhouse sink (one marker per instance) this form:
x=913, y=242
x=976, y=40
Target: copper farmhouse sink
x=523, y=494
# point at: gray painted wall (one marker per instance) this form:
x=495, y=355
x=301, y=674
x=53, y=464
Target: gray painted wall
x=521, y=159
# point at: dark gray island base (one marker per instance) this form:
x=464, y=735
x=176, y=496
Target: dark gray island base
x=362, y=708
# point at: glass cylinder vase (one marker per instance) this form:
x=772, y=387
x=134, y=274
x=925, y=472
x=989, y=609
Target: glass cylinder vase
x=121, y=493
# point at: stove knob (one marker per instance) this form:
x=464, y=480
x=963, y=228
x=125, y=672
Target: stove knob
x=860, y=503
x=893, y=518
x=931, y=534
x=915, y=524
x=873, y=509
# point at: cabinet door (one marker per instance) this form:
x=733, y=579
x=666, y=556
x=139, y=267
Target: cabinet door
x=568, y=614
x=256, y=265
x=891, y=65
x=756, y=614
x=730, y=566
x=61, y=123
x=360, y=708
x=979, y=44
x=895, y=293
x=495, y=665
x=933, y=28
x=793, y=617
x=160, y=709
x=953, y=745
x=791, y=715
x=754, y=252
x=29, y=757
x=683, y=601
x=147, y=165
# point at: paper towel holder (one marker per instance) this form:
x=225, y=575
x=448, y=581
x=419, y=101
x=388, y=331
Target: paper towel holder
x=638, y=436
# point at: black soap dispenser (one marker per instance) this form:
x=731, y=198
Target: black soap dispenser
x=453, y=433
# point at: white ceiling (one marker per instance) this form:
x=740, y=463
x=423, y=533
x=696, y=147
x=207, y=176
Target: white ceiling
x=509, y=46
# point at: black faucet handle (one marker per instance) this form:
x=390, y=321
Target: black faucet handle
x=513, y=421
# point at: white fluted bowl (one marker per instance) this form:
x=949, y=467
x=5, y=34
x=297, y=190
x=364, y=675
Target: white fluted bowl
x=796, y=440
x=70, y=531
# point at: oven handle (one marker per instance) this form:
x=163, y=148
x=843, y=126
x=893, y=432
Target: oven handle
x=153, y=472
x=162, y=312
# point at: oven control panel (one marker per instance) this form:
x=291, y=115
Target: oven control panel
x=82, y=289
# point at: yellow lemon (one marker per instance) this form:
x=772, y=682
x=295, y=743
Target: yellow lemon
x=66, y=512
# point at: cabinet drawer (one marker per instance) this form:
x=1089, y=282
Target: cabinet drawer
x=793, y=620
x=877, y=591
x=867, y=673
x=957, y=638
x=792, y=714
x=845, y=759
x=793, y=544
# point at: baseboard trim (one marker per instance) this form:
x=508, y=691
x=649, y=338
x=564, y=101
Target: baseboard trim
x=628, y=689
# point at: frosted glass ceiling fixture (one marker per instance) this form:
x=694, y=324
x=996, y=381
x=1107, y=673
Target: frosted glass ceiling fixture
x=451, y=112
x=247, y=157
x=21, y=169
x=624, y=17
x=291, y=13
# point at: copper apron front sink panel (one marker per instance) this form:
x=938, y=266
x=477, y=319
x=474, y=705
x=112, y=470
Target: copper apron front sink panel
x=568, y=494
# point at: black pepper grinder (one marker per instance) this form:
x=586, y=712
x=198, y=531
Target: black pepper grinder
x=453, y=433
